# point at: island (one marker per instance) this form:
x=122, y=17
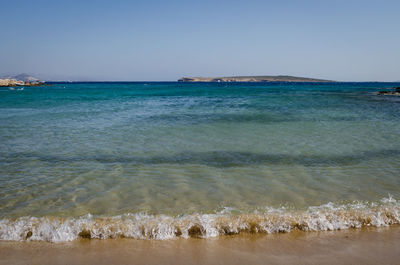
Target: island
x=263, y=78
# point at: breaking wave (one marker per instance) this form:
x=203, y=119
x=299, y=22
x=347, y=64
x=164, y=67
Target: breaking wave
x=143, y=226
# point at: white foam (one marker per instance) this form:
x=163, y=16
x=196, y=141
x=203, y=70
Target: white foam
x=325, y=217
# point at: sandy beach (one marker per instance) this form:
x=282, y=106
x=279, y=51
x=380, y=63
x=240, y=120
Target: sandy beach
x=354, y=246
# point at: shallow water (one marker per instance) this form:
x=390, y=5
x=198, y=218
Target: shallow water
x=183, y=150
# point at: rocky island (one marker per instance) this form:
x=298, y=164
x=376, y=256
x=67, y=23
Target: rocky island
x=20, y=80
x=264, y=78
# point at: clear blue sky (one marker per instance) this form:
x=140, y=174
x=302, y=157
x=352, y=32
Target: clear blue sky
x=164, y=40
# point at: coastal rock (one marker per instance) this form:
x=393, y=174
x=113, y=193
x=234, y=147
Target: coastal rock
x=10, y=82
x=396, y=91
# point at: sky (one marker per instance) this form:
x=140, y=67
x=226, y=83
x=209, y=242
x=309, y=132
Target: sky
x=165, y=40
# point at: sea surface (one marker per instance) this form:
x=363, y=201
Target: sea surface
x=155, y=160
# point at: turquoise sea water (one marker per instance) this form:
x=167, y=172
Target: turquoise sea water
x=160, y=160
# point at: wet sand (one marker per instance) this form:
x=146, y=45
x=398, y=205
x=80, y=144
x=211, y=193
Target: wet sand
x=355, y=246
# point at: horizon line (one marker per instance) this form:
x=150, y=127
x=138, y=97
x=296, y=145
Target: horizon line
x=176, y=81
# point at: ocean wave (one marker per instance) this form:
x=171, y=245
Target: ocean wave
x=325, y=217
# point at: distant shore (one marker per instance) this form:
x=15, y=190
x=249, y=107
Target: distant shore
x=354, y=246
x=7, y=82
x=277, y=78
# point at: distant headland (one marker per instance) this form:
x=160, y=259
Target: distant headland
x=20, y=80
x=263, y=78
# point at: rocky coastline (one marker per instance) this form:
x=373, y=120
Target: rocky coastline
x=12, y=82
x=394, y=91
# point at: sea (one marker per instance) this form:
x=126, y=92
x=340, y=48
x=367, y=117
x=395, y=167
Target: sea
x=166, y=160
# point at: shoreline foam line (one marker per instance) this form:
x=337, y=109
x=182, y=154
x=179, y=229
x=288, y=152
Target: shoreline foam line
x=327, y=217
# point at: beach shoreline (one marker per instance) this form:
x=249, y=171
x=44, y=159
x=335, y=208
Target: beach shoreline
x=353, y=246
